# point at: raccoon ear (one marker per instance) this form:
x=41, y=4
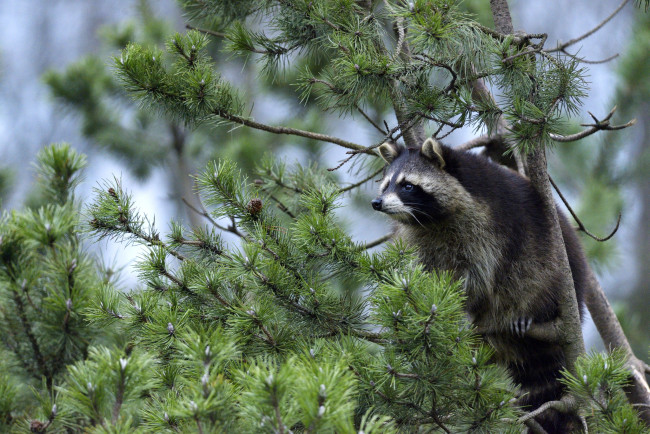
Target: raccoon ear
x=432, y=149
x=388, y=151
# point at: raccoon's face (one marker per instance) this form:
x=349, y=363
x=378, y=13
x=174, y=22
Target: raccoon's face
x=414, y=189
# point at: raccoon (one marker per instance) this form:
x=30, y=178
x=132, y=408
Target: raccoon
x=487, y=225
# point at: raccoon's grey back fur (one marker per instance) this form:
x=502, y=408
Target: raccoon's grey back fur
x=487, y=225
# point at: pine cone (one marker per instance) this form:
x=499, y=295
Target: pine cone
x=254, y=206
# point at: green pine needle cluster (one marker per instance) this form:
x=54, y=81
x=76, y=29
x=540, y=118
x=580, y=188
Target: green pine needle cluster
x=366, y=65
x=300, y=327
x=295, y=327
x=47, y=282
x=596, y=386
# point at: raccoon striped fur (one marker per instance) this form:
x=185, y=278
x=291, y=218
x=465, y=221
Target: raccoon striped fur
x=487, y=225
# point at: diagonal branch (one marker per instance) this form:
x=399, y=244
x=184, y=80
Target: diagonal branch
x=363, y=181
x=290, y=131
x=207, y=31
x=378, y=241
x=563, y=46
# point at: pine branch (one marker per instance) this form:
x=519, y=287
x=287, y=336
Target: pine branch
x=290, y=131
x=204, y=212
x=591, y=62
x=207, y=31
x=363, y=181
x=378, y=241
x=119, y=396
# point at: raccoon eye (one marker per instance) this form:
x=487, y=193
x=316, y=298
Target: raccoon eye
x=408, y=187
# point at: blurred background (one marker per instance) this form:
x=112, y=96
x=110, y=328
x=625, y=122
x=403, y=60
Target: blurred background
x=57, y=85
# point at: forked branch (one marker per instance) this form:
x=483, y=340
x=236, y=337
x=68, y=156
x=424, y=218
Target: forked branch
x=598, y=125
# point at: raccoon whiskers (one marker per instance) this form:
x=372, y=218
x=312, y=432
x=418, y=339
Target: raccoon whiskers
x=416, y=219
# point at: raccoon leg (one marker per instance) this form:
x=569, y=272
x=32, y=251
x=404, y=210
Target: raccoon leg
x=520, y=325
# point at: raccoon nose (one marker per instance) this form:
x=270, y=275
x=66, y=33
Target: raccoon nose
x=376, y=204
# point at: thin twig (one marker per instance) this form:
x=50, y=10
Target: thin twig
x=207, y=31
x=258, y=322
x=290, y=131
x=591, y=62
x=369, y=119
x=282, y=207
x=336, y=90
x=204, y=212
x=378, y=241
x=363, y=181
x=581, y=226
x=563, y=46
x=27, y=328
x=119, y=396
x=597, y=126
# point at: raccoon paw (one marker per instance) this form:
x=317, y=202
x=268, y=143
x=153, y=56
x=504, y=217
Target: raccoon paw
x=520, y=326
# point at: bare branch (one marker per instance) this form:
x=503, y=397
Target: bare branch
x=581, y=225
x=535, y=427
x=378, y=241
x=562, y=47
x=290, y=131
x=565, y=405
x=204, y=212
x=404, y=126
x=207, y=31
x=369, y=119
x=363, y=181
x=282, y=207
x=597, y=126
x=591, y=62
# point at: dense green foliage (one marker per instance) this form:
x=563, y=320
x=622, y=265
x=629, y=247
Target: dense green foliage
x=295, y=327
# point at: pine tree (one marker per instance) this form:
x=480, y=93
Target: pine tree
x=47, y=282
x=297, y=328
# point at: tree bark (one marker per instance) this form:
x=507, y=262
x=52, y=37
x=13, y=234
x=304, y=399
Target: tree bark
x=571, y=330
x=612, y=334
x=604, y=317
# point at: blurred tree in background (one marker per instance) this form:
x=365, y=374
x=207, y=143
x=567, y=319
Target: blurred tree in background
x=297, y=327
x=635, y=92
